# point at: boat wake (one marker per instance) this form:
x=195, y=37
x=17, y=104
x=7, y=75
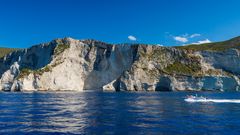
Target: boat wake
x=203, y=99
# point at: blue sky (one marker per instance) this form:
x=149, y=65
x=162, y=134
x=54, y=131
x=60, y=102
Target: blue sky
x=166, y=22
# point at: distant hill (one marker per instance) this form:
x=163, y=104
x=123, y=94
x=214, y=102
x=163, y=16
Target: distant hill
x=4, y=51
x=216, y=46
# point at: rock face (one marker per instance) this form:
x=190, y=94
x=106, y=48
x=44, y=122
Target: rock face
x=68, y=64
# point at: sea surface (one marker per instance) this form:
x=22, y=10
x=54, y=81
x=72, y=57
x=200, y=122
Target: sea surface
x=117, y=113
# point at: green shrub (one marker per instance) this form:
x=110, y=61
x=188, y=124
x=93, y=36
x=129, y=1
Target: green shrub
x=5, y=51
x=25, y=71
x=183, y=69
x=60, y=48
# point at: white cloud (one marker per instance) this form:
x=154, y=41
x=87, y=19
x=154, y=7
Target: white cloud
x=186, y=37
x=132, y=38
x=195, y=35
x=202, y=42
x=160, y=45
x=181, y=39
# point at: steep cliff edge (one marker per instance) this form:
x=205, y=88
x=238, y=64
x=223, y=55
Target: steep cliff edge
x=69, y=64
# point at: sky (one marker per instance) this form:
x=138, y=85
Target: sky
x=164, y=22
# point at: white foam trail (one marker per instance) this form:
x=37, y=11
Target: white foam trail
x=213, y=100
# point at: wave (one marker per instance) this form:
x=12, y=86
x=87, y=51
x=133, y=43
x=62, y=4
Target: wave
x=213, y=100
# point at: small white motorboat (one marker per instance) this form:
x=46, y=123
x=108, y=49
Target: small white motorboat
x=192, y=98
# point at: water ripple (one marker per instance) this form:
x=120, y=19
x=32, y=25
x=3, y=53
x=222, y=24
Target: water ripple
x=115, y=113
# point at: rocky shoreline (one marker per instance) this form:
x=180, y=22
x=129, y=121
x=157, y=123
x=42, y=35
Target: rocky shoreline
x=77, y=65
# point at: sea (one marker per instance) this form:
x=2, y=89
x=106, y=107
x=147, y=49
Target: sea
x=120, y=113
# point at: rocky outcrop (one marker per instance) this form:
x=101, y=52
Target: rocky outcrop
x=168, y=69
x=69, y=64
x=228, y=60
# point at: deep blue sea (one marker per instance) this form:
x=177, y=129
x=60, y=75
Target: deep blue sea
x=117, y=113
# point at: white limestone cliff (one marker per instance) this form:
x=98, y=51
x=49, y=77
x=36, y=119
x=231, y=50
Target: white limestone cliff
x=77, y=65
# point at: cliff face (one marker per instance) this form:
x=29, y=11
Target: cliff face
x=68, y=64
x=168, y=69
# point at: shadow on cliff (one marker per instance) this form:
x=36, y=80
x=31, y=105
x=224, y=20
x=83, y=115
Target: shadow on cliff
x=164, y=84
x=111, y=61
x=33, y=58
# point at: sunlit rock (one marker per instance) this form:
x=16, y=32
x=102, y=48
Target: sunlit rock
x=77, y=65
